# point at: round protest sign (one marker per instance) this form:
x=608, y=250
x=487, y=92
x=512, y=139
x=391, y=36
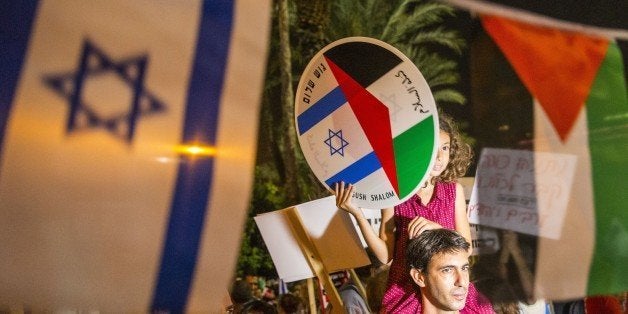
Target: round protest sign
x=365, y=115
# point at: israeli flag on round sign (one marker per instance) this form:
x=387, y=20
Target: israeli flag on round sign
x=365, y=115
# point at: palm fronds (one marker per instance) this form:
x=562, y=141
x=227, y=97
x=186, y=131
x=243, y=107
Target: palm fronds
x=417, y=28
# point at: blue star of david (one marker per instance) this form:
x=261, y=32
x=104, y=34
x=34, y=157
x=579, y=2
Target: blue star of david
x=84, y=115
x=333, y=143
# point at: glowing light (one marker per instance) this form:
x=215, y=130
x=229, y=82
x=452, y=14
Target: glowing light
x=164, y=160
x=196, y=150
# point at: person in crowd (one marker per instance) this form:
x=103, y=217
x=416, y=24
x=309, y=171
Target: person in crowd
x=438, y=263
x=268, y=293
x=241, y=296
x=500, y=293
x=439, y=203
x=290, y=304
x=352, y=300
x=243, y=301
x=258, y=306
x=375, y=288
x=257, y=284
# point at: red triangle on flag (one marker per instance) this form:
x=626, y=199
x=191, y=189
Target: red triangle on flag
x=370, y=113
x=558, y=67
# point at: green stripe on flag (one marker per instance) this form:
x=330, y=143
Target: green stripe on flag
x=413, y=149
x=607, y=112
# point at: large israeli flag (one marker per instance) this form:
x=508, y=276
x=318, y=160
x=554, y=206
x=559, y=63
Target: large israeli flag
x=127, y=149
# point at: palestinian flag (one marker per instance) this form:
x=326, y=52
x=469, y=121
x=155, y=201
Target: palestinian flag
x=581, y=109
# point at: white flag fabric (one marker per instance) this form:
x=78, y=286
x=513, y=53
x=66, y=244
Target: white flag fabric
x=128, y=141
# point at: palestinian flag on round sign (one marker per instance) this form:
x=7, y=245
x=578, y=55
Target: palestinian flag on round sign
x=581, y=109
x=366, y=116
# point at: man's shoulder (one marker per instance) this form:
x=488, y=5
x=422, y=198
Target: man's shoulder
x=353, y=301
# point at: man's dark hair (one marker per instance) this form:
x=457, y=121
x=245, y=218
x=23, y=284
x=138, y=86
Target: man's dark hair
x=421, y=249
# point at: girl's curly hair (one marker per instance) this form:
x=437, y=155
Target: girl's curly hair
x=460, y=153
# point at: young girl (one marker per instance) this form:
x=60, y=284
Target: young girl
x=440, y=203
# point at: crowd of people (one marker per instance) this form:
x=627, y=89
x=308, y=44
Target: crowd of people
x=247, y=295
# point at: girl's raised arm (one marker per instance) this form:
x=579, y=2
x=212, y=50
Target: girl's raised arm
x=462, y=220
x=378, y=244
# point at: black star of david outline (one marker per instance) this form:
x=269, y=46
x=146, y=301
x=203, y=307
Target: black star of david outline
x=131, y=71
x=343, y=143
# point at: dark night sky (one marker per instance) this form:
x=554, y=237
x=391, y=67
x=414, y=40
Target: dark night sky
x=611, y=14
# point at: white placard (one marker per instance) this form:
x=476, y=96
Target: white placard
x=330, y=229
x=522, y=191
x=374, y=217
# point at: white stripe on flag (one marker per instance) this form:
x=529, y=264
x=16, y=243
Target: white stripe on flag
x=567, y=276
x=237, y=142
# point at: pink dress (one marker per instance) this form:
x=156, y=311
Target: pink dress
x=402, y=295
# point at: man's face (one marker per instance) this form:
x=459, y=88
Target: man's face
x=446, y=281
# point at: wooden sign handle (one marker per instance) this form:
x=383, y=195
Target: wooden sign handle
x=313, y=258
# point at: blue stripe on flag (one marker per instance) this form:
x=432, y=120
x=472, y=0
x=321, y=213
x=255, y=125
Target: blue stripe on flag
x=321, y=109
x=194, y=180
x=16, y=21
x=283, y=287
x=356, y=171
